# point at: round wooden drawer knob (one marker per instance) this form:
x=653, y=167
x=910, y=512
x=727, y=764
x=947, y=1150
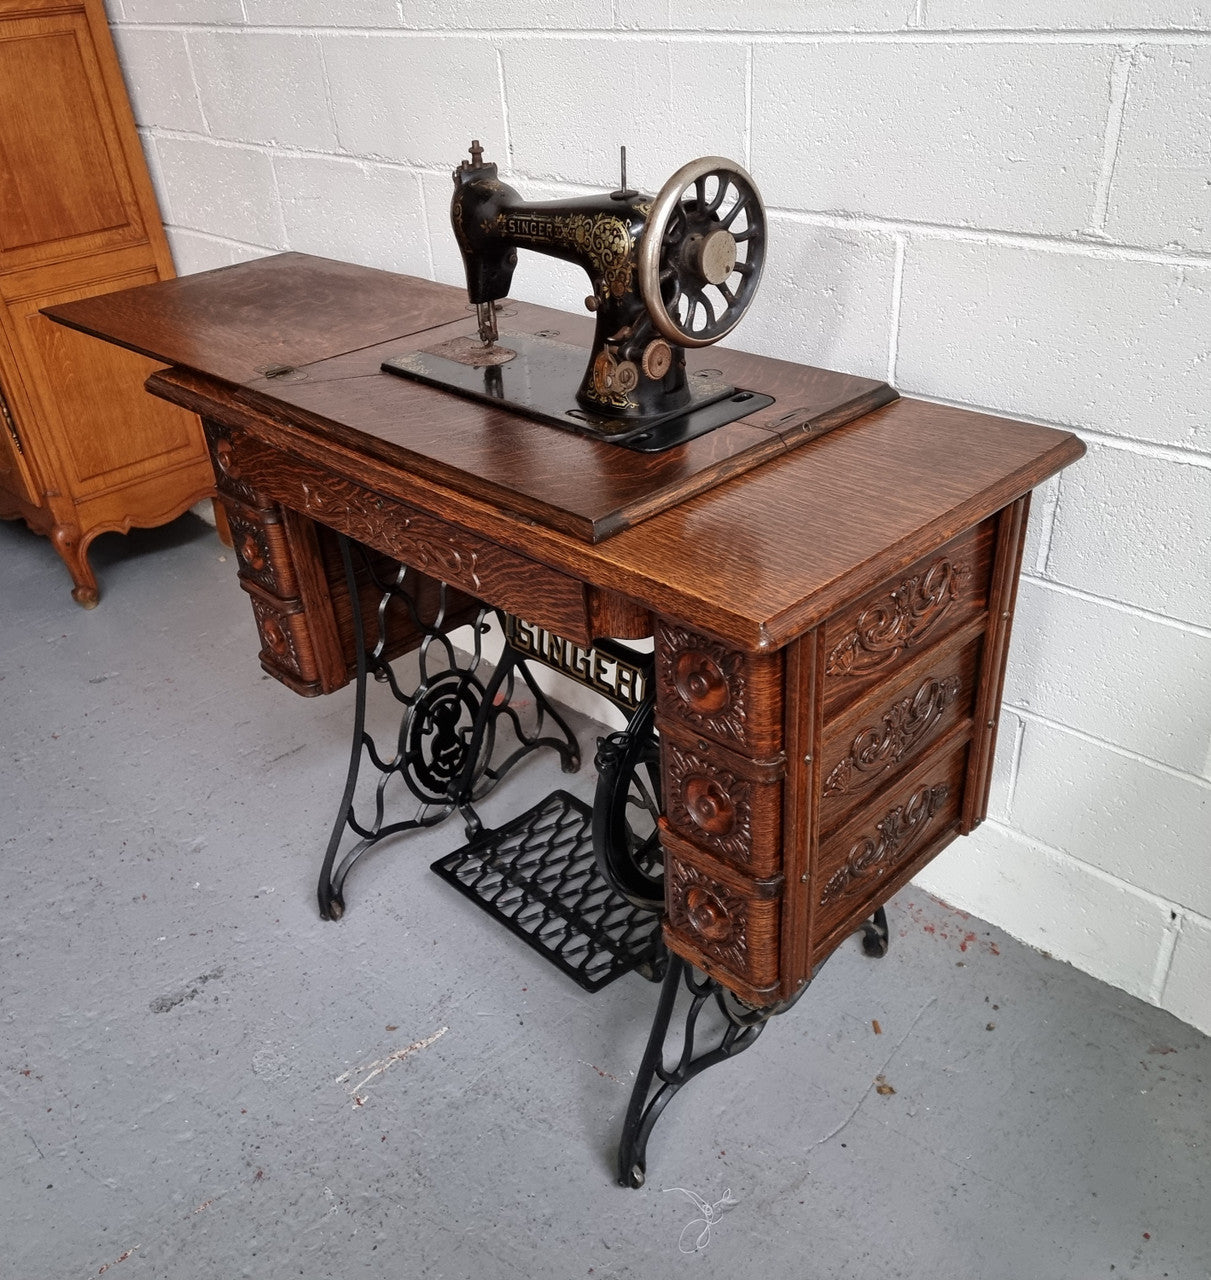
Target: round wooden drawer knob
x=700, y=683
x=251, y=553
x=224, y=455
x=707, y=915
x=274, y=636
x=709, y=805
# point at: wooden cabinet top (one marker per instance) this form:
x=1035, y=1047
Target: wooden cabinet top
x=757, y=559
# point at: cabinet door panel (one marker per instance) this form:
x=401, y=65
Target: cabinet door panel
x=108, y=430
x=65, y=183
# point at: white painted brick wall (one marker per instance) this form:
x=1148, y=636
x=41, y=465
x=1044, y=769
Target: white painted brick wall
x=999, y=203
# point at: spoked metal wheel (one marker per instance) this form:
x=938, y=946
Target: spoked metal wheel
x=702, y=251
x=626, y=807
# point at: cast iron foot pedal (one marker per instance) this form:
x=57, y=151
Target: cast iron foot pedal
x=537, y=875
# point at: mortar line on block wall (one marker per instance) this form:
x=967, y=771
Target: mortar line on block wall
x=193, y=79
x=504, y=106
x=223, y=240
x=1049, y=507
x=897, y=290
x=1116, y=110
x=416, y=168
x=424, y=216
x=336, y=128
x=724, y=35
x=1133, y=610
x=748, y=107
x=1044, y=242
x=1027, y=715
x=1015, y=762
x=155, y=170
x=277, y=196
x=1098, y=873
x=1128, y=444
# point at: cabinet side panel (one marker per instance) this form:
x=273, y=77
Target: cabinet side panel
x=1011, y=539
x=801, y=812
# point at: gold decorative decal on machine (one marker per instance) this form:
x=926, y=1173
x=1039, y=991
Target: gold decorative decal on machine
x=607, y=673
x=605, y=241
x=904, y=725
x=884, y=629
x=900, y=832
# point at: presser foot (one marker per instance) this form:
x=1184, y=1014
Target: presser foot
x=437, y=758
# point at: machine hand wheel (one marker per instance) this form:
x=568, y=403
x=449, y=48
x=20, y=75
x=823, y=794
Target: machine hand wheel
x=626, y=842
x=702, y=251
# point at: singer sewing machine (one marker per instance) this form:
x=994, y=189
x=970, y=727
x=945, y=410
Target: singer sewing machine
x=817, y=717
x=675, y=271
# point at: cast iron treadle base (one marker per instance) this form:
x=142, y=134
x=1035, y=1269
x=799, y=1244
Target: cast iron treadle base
x=537, y=875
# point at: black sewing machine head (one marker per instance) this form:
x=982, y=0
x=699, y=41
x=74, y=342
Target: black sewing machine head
x=670, y=272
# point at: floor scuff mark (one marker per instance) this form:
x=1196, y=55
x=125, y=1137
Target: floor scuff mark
x=164, y=1003
x=375, y=1069
x=105, y=1266
x=605, y=1075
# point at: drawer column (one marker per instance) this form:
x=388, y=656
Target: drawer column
x=719, y=712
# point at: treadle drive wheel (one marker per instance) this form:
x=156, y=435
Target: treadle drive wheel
x=626, y=842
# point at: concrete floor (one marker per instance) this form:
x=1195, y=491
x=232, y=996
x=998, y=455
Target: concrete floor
x=177, y=1025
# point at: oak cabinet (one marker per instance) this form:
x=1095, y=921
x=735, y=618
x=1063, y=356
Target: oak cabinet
x=82, y=449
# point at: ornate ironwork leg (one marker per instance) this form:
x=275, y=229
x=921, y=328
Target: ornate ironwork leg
x=657, y=1081
x=874, y=935
x=449, y=726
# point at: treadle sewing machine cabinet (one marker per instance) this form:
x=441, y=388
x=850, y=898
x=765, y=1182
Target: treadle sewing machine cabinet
x=827, y=572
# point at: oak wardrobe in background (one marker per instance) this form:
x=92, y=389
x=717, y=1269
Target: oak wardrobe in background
x=83, y=449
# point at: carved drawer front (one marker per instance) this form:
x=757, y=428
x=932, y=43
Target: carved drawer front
x=892, y=836
x=722, y=802
x=726, y=924
x=261, y=548
x=732, y=697
x=870, y=639
x=286, y=648
x=225, y=449
x=879, y=738
x=402, y=633
x=443, y=551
